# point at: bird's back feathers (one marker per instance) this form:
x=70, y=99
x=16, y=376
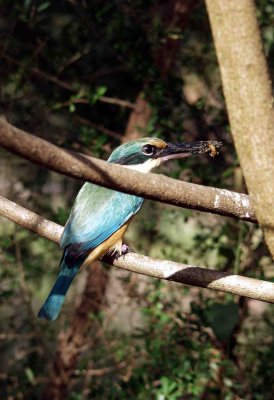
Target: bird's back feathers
x=97, y=213
x=95, y=217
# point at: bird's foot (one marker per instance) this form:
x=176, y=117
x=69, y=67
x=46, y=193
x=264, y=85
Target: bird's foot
x=124, y=250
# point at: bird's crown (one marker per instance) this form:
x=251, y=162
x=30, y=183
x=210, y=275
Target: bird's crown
x=137, y=151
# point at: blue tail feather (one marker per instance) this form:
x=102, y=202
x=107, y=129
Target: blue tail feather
x=52, y=306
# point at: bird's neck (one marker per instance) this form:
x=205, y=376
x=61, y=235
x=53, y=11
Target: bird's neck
x=145, y=167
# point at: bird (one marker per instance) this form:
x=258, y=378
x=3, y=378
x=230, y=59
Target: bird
x=100, y=216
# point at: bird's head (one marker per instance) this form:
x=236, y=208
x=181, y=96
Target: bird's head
x=147, y=153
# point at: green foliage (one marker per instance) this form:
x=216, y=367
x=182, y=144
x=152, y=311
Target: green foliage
x=266, y=19
x=222, y=327
x=99, y=92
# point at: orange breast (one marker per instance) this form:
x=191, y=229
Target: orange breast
x=113, y=243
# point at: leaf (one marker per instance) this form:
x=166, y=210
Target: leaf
x=222, y=318
x=42, y=7
x=30, y=375
x=100, y=91
x=72, y=108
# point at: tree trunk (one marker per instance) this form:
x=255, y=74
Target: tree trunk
x=71, y=341
x=174, y=14
x=247, y=90
x=138, y=119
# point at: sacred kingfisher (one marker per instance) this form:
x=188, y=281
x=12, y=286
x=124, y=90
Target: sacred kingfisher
x=100, y=216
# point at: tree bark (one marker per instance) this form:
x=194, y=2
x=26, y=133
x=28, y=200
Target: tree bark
x=161, y=269
x=247, y=90
x=151, y=186
x=138, y=119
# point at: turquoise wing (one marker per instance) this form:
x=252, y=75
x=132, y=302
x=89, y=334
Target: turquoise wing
x=98, y=213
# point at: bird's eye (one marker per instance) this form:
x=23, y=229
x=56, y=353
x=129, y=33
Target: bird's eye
x=149, y=149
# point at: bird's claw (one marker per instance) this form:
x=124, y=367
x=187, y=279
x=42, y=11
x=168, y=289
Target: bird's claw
x=124, y=250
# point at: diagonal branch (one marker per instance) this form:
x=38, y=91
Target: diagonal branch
x=162, y=269
x=151, y=186
x=69, y=86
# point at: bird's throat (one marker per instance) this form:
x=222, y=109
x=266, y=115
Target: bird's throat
x=145, y=167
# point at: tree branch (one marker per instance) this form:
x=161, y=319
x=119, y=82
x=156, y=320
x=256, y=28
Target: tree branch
x=162, y=269
x=151, y=186
x=98, y=127
x=69, y=86
x=248, y=94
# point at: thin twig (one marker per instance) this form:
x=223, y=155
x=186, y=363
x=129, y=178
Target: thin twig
x=69, y=87
x=118, y=102
x=98, y=127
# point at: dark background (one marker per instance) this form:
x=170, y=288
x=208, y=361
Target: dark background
x=79, y=73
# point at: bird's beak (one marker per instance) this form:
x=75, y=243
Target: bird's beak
x=182, y=150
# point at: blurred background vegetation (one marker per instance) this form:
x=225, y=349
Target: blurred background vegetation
x=87, y=75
